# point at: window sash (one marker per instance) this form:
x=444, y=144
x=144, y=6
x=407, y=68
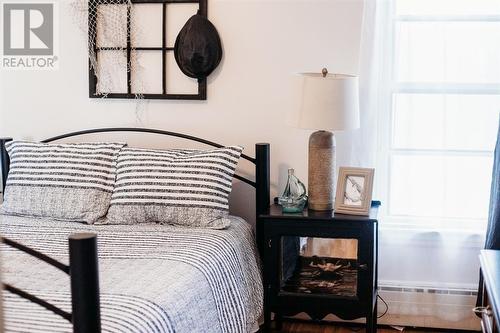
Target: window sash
x=386, y=123
x=446, y=88
x=447, y=18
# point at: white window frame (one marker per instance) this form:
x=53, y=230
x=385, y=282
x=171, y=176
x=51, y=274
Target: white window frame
x=385, y=126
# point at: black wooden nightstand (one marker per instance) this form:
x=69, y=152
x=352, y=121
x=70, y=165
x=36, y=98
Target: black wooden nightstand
x=303, y=271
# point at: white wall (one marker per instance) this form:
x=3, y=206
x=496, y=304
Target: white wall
x=249, y=97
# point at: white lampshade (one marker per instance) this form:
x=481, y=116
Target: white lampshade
x=329, y=102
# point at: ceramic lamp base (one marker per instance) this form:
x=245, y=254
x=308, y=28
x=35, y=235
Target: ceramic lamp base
x=321, y=182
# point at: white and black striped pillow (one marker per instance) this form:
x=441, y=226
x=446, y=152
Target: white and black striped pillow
x=179, y=186
x=60, y=181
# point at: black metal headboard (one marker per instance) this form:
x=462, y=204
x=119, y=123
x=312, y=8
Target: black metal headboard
x=261, y=160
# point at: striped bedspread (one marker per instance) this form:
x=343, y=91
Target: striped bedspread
x=153, y=278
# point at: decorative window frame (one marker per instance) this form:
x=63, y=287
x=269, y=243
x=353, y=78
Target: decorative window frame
x=129, y=94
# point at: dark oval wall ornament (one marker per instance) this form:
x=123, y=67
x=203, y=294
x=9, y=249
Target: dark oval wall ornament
x=198, y=49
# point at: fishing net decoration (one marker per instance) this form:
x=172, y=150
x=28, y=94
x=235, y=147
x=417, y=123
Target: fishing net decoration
x=110, y=32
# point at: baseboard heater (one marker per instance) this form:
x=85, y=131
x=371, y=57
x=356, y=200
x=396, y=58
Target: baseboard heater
x=431, y=307
x=426, y=307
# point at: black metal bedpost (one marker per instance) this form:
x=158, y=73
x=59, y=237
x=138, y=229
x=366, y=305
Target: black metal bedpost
x=263, y=184
x=86, y=315
x=5, y=162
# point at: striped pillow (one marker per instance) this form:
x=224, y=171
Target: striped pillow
x=179, y=186
x=60, y=181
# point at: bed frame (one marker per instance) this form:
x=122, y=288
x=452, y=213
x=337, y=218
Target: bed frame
x=83, y=264
x=84, y=280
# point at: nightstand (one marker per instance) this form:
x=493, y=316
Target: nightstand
x=319, y=263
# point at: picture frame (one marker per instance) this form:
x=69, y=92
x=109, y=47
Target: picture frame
x=354, y=191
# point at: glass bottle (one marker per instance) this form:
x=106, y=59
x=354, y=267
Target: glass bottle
x=294, y=198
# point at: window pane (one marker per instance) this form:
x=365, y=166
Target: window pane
x=448, y=7
x=176, y=81
x=146, y=25
x=451, y=52
x=177, y=16
x=112, y=72
x=145, y=76
x=440, y=186
x=456, y=122
x=111, y=15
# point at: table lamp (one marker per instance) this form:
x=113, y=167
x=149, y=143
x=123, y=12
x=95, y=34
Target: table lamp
x=330, y=102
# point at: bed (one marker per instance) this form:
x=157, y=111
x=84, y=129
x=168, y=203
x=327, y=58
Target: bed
x=152, y=278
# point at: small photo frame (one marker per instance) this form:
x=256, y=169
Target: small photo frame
x=354, y=191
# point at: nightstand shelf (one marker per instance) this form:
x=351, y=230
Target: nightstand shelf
x=307, y=268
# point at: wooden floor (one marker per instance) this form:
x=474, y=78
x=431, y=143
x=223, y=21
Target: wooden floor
x=294, y=327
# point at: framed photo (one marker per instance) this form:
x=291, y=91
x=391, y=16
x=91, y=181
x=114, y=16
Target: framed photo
x=354, y=191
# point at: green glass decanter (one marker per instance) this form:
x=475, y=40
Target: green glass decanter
x=294, y=198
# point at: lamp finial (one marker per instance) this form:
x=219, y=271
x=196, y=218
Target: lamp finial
x=324, y=71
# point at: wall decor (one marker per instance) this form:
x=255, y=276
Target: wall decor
x=294, y=198
x=198, y=50
x=140, y=53
x=354, y=191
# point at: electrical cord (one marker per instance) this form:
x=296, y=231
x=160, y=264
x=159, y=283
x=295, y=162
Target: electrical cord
x=386, y=307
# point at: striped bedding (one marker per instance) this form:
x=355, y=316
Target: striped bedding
x=177, y=186
x=72, y=181
x=153, y=278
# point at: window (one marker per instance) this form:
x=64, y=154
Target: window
x=442, y=113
